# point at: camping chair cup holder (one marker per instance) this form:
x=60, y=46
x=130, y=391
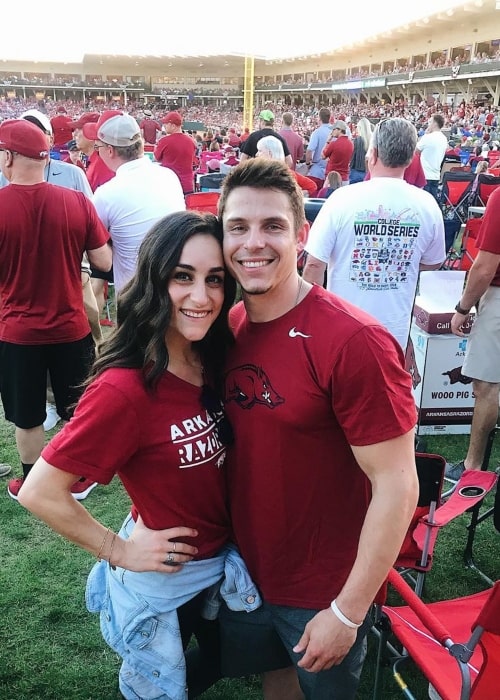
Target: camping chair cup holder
x=472, y=492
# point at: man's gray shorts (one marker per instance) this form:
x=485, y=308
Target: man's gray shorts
x=260, y=641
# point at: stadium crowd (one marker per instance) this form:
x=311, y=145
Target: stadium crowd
x=463, y=121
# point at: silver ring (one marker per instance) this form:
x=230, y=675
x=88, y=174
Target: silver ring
x=175, y=545
x=170, y=558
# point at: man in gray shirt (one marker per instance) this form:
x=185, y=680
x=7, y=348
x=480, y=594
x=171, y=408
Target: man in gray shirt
x=315, y=163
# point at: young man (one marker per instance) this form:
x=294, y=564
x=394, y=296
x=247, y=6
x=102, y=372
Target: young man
x=432, y=146
x=322, y=479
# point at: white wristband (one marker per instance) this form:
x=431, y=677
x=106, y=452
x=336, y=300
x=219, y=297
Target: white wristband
x=340, y=615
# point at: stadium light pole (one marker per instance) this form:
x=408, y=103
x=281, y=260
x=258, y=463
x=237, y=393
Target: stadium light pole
x=248, y=92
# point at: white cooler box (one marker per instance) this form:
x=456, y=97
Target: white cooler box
x=443, y=395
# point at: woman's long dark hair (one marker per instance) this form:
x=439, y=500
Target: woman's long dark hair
x=144, y=308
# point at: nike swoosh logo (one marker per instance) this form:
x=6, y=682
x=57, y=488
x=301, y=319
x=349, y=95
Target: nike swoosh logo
x=294, y=334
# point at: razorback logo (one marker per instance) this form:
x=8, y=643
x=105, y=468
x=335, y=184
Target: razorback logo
x=455, y=375
x=411, y=364
x=249, y=385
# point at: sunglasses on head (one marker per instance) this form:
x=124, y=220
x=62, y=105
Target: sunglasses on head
x=213, y=405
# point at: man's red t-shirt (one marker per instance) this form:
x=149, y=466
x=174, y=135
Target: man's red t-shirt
x=298, y=498
x=97, y=171
x=339, y=154
x=149, y=128
x=177, y=151
x=61, y=128
x=43, y=235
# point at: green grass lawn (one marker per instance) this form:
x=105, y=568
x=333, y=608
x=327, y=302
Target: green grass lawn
x=51, y=648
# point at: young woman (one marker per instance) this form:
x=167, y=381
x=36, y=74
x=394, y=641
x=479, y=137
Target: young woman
x=362, y=139
x=151, y=414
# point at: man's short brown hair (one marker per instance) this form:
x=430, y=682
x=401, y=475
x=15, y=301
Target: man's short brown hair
x=265, y=174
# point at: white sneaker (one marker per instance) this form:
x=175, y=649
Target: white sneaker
x=5, y=469
x=52, y=418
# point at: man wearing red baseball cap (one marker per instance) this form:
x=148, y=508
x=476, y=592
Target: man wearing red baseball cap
x=97, y=172
x=44, y=232
x=177, y=151
x=22, y=140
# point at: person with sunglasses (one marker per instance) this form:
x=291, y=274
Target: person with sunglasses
x=152, y=405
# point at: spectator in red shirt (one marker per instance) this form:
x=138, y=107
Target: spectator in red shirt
x=339, y=149
x=294, y=142
x=233, y=138
x=149, y=127
x=414, y=173
x=61, y=128
x=97, y=171
x=177, y=151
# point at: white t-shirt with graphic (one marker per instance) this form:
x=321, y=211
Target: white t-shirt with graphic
x=374, y=235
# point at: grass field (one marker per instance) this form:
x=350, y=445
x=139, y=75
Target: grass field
x=51, y=648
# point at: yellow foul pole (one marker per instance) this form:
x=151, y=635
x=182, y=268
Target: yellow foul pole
x=248, y=92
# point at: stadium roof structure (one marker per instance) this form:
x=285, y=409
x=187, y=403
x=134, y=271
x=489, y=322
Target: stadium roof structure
x=429, y=30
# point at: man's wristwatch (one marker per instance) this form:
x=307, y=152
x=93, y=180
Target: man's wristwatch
x=461, y=311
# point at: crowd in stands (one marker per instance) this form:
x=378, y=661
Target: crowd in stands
x=407, y=67
x=68, y=81
x=469, y=123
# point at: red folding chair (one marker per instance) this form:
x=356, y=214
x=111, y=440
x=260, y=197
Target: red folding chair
x=203, y=201
x=417, y=552
x=463, y=258
x=437, y=637
x=493, y=157
x=486, y=185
